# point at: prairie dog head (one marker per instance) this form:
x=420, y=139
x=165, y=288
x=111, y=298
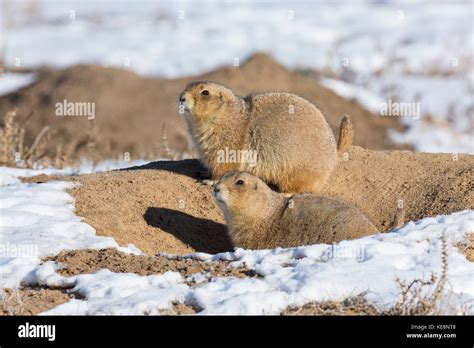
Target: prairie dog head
x=204, y=99
x=239, y=192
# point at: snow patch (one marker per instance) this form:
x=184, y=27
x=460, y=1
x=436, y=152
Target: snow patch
x=416, y=50
x=9, y=175
x=294, y=276
x=10, y=82
x=37, y=221
x=366, y=98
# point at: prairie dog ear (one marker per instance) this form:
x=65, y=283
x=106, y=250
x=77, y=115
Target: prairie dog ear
x=256, y=185
x=222, y=97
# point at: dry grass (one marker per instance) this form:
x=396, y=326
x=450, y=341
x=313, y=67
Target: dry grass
x=14, y=152
x=467, y=247
x=413, y=301
x=170, y=153
x=30, y=301
x=180, y=309
x=414, y=298
x=12, y=303
x=355, y=305
x=68, y=155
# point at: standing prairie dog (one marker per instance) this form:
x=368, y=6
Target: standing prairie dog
x=279, y=137
x=259, y=218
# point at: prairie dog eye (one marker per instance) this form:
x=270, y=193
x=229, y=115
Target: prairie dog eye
x=205, y=92
x=240, y=182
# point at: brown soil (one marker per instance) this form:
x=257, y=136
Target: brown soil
x=131, y=110
x=428, y=184
x=180, y=309
x=41, y=178
x=31, y=301
x=161, y=207
x=357, y=305
x=89, y=261
x=156, y=210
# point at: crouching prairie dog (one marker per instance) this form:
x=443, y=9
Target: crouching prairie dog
x=259, y=218
x=279, y=137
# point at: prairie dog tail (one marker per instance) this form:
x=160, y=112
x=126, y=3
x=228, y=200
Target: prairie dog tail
x=346, y=135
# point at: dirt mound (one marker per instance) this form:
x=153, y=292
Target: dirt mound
x=35, y=300
x=161, y=207
x=90, y=261
x=426, y=184
x=156, y=210
x=131, y=110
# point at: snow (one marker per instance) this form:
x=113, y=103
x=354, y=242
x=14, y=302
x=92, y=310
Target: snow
x=116, y=294
x=320, y=272
x=10, y=82
x=405, y=51
x=366, y=98
x=290, y=277
x=426, y=134
x=38, y=220
x=434, y=138
x=9, y=175
x=416, y=51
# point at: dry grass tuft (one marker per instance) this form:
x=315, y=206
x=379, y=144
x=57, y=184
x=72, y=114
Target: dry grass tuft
x=13, y=150
x=355, y=305
x=166, y=147
x=86, y=145
x=11, y=302
x=467, y=247
x=30, y=301
x=167, y=151
x=180, y=309
x=414, y=298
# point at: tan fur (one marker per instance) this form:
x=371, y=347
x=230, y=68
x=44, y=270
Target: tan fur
x=346, y=136
x=296, y=149
x=259, y=218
